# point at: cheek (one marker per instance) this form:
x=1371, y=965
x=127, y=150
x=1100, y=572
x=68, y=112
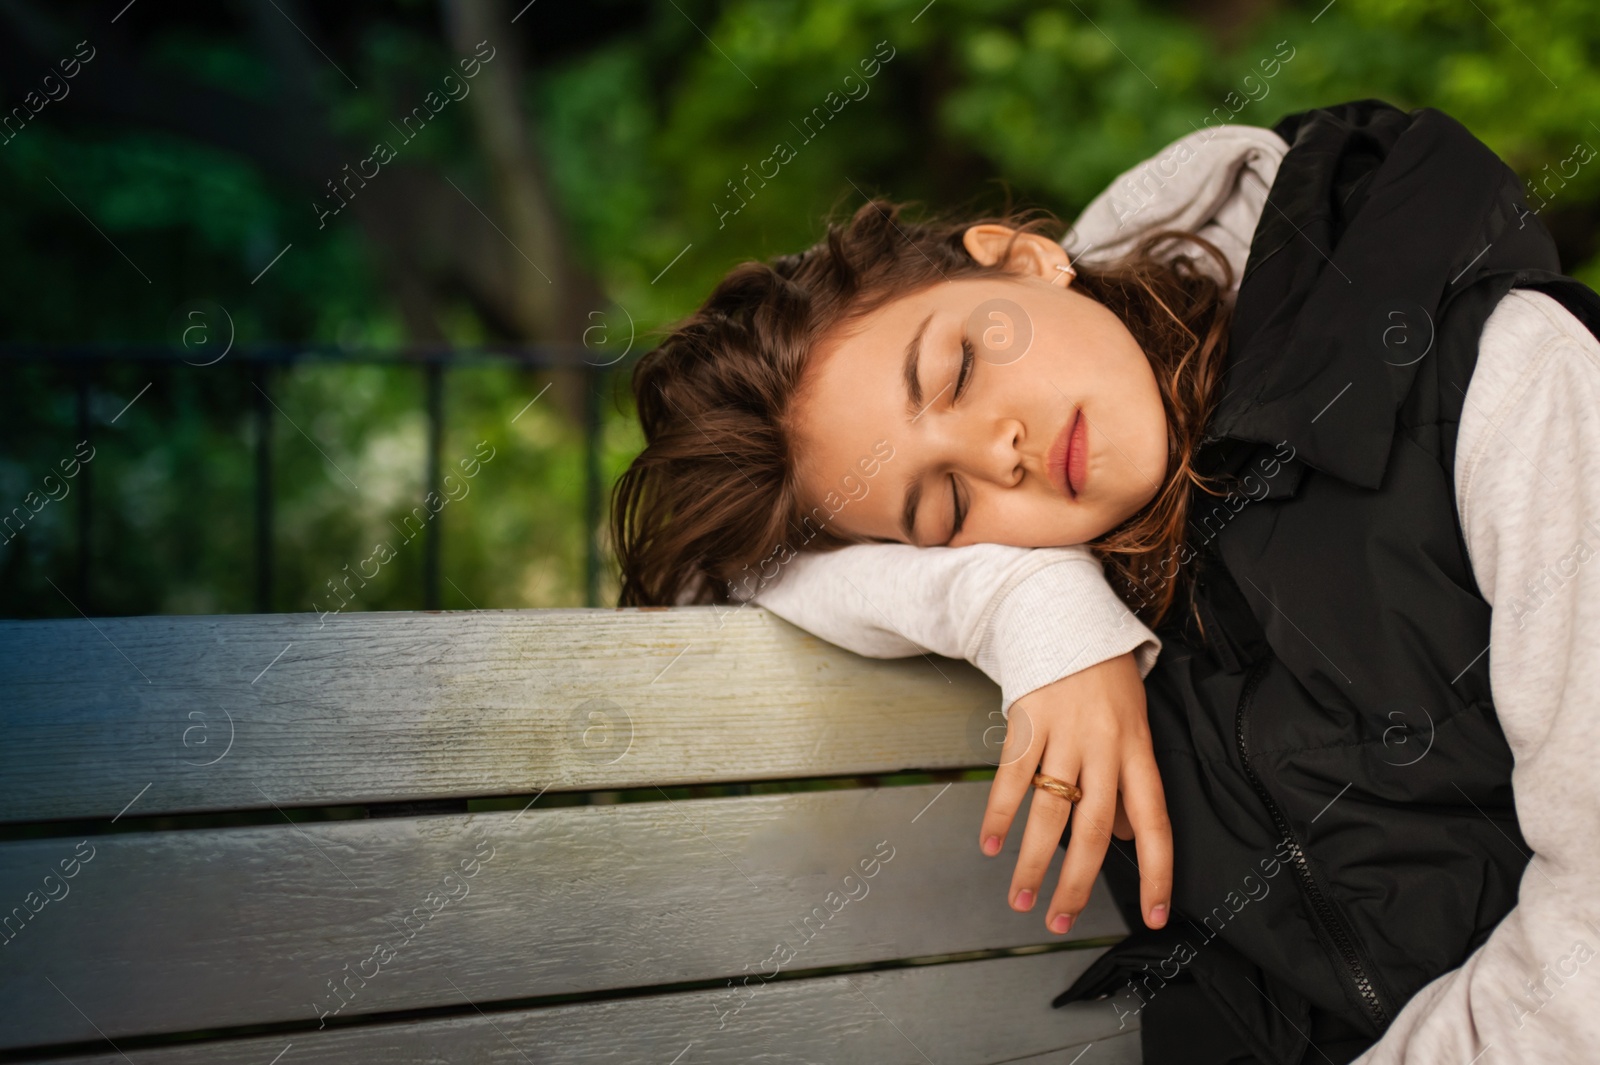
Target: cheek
x=865, y=508
x=1145, y=428
x=828, y=475
x=1158, y=433
x=1021, y=519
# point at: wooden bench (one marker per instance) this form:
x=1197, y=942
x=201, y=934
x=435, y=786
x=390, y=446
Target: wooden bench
x=438, y=836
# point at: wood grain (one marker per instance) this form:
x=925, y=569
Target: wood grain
x=204, y=713
x=175, y=931
x=962, y=1013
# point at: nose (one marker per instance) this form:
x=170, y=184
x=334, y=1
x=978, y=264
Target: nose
x=989, y=449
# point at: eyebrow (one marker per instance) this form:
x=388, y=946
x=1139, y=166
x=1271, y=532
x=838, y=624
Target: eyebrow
x=908, y=512
x=909, y=371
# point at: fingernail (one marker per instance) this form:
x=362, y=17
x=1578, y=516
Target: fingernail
x=1024, y=899
x=991, y=846
x=1158, y=915
x=1062, y=923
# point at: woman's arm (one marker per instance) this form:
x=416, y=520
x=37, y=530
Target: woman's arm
x=1528, y=491
x=1045, y=625
x=1025, y=616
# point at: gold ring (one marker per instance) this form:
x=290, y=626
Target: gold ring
x=1069, y=792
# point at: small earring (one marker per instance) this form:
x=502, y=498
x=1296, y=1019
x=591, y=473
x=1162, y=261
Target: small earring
x=1069, y=271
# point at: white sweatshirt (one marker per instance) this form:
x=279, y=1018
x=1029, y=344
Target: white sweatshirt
x=1527, y=478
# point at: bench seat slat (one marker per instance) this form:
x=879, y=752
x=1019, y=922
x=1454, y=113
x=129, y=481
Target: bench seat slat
x=961, y=1013
x=206, y=713
x=172, y=931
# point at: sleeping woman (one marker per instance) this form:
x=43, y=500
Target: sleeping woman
x=1268, y=497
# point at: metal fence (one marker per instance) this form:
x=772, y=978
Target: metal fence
x=263, y=361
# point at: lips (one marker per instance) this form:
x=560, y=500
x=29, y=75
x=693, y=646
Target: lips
x=1068, y=456
x=1078, y=456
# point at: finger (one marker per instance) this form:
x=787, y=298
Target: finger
x=1146, y=803
x=1047, y=816
x=1122, y=828
x=1086, y=851
x=1019, y=758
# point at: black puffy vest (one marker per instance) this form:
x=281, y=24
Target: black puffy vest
x=1338, y=783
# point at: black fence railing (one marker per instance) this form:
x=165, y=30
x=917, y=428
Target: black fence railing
x=264, y=360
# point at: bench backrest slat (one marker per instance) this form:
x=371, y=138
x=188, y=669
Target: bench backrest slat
x=204, y=713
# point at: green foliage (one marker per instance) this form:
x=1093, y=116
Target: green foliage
x=652, y=139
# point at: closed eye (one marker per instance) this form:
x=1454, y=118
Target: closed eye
x=960, y=511
x=968, y=359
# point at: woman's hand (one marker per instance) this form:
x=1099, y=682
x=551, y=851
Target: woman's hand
x=1088, y=729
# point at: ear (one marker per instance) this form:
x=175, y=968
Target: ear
x=1031, y=255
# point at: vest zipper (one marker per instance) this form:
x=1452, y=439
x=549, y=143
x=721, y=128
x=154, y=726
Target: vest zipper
x=1328, y=920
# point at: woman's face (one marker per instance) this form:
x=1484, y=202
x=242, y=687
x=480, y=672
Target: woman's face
x=1052, y=435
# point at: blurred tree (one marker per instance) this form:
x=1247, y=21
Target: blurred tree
x=599, y=177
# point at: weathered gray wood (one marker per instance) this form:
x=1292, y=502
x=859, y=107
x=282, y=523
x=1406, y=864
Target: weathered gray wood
x=1123, y=1049
x=960, y=1013
x=186, y=930
x=168, y=714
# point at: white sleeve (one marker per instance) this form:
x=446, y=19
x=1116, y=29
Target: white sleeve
x=1024, y=616
x=1528, y=491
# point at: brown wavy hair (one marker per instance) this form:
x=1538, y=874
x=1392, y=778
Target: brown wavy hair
x=714, y=491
